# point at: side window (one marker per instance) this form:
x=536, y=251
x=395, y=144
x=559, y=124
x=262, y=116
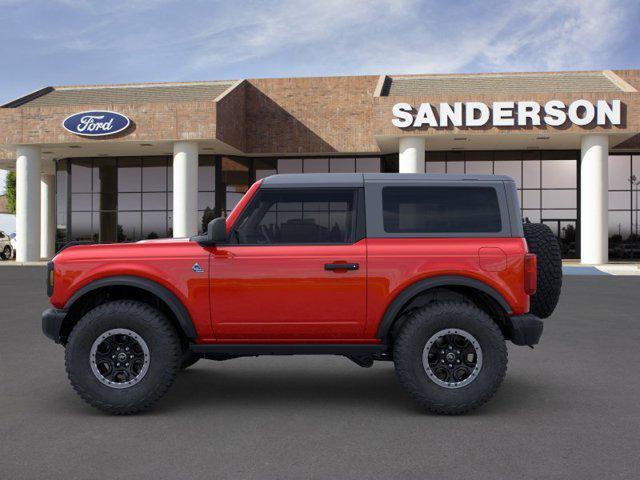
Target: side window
x=292, y=216
x=2, y=236
x=433, y=209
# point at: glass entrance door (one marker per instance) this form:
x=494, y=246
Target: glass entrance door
x=566, y=231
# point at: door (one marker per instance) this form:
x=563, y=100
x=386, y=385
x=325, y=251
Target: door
x=294, y=269
x=565, y=231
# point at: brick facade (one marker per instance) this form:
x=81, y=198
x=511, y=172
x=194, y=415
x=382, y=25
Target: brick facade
x=321, y=115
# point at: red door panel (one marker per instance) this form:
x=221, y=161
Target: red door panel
x=285, y=294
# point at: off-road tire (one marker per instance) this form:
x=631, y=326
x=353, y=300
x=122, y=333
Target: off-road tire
x=164, y=356
x=188, y=358
x=414, y=334
x=7, y=254
x=542, y=242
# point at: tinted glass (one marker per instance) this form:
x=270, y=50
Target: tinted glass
x=298, y=217
x=441, y=210
x=81, y=175
x=368, y=165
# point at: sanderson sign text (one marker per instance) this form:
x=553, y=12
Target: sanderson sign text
x=507, y=114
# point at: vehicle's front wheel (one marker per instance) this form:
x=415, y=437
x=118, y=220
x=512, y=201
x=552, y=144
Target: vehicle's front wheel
x=6, y=253
x=450, y=356
x=122, y=356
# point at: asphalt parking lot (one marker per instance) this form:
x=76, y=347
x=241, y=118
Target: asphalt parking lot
x=568, y=409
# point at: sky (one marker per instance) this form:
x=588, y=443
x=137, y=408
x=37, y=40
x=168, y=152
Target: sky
x=71, y=42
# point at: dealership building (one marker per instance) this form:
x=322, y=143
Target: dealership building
x=115, y=163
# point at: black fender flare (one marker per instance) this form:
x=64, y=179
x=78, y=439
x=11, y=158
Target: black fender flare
x=163, y=293
x=421, y=286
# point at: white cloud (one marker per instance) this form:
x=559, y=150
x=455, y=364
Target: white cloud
x=411, y=36
x=203, y=38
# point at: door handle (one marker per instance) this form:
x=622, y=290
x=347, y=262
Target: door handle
x=341, y=266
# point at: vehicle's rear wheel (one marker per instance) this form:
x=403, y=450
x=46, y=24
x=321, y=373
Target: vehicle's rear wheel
x=450, y=356
x=6, y=253
x=542, y=242
x=122, y=356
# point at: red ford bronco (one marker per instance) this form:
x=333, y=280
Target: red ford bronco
x=432, y=272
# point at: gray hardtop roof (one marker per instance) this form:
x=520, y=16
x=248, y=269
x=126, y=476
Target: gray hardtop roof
x=289, y=180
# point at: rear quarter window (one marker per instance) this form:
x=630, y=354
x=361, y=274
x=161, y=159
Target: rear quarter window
x=441, y=209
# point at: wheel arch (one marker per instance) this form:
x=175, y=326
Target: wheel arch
x=130, y=287
x=421, y=292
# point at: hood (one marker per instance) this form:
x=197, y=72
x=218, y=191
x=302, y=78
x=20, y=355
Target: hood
x=123, y=251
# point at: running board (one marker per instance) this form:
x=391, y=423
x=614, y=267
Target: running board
x=288, y=349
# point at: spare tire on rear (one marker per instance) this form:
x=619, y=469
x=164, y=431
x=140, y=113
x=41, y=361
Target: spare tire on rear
x=544, y=244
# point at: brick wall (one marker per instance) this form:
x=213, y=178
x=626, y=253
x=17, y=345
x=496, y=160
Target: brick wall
x=231, y=117
x=318, y=115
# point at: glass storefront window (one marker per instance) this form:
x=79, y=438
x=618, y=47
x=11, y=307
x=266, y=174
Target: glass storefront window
x=289, y=165
x=532, y=216
x=531, y=174
x=510, y=168
x=81, y=202
x=264, y=167
x=546, y=180
x=205, y=200
x=206, y=191
x=154, y=176
x=235, y=181
x=368, y=165
x=316, y=165
x=61, y=203
x=620, y=200
x=129, y=226
x=624, y=201
x=559, y=174
x=110, y=195
x=455, y=167
x=81, y=224
x=568, y=214
x=619, y=227
x=81, y=175
x=619, y=172
x=129, y=174
x=206, y=174
x=154, y=225
x=479, y=167
x=559, y=199
x=531, y=199
x=129, y=201
x=154, y=201
x=435, y=167
x=342, y=165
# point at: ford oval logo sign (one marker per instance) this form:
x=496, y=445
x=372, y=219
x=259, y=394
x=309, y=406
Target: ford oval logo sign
x=96, y=123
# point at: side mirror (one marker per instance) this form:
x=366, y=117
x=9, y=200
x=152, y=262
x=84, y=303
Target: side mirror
x=217, y=230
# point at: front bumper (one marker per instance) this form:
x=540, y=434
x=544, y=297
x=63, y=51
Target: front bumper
x=525, y=329
x=52, y=320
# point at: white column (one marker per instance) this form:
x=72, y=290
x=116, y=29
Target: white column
x=594, y=199
x=47, y=214
x=185, y=189
x=28, y=203
x=411, y=154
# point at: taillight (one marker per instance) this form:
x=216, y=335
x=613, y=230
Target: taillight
x=530, y=275
x=50, y=278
